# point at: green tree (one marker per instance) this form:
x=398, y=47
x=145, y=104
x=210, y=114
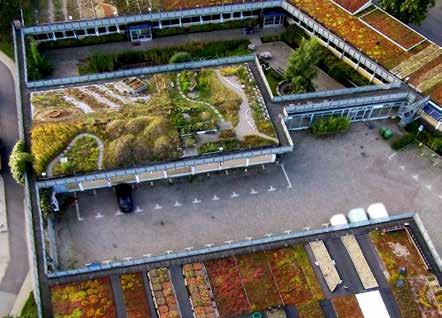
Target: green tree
x=300, y=70
x=408, y=11
x=19, y=161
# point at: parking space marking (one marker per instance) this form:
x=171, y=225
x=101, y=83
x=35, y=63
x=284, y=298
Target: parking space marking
x=215, y=198
x=271, y=189
x=286, y=176
x=440, y=196
x=139, y=210
x=402, y=168
x=99, y=216
x=253, y=191
x=118, y=213
x=392, y=155
x=177, y=204
x=234, y=195
x=77, y=207
x=415, y=177
x=196, y=201
x=429, y=187
x=157, y=207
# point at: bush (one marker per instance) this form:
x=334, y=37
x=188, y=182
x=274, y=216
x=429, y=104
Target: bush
x=38, y=67
x=19, y=161
x=227, y=134
x=429, y=137
x=330, y=126
x=403, y=141
x=100, y=63
x=180, y=57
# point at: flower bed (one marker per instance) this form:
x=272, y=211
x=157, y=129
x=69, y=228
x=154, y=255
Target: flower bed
x=89, y=298
x=392, y=28
x=258, y=281
x=134, y=295
x=163, y=293
x=354, y=31
x=227, y=287
x=199, y=290
x=347, y=307
x=351, y=5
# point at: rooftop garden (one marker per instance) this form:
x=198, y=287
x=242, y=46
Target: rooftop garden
x=138, y=121
x=89, y=298
x=163, y=293
x=406, y=273
x=351, y=5
x=392, y=28
x=134, y=295
x=347, y=307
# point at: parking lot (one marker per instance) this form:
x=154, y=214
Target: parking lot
x=320, y=178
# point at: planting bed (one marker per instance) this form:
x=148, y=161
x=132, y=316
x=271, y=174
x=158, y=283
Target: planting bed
x=134, y=295
x=392, y=28
x=296, y=280
x=143, y=120
x=89, y=298
x=199, y=290
x=163, y=293
x=347, y=307
x=258, y=281
x=410, y=288
x=228, y=288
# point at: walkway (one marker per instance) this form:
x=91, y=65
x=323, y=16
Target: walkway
x=246, y=125
x=50, y=168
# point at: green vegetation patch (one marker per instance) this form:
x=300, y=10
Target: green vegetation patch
x=331, y=125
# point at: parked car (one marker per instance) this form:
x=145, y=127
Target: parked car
x=124, y=197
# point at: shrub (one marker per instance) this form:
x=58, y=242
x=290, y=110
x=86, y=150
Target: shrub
x=38, y=66
x=253, y=141
x=89, y=40
x=402, y=141
x=99, y=63
x=19, y=161
x=227, y=134
x=180, y=57
x=330, y=126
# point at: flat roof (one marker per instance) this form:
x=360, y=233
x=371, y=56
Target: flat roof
x=372, y=305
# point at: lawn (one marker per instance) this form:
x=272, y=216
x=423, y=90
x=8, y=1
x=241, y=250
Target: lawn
x=347, y=307
x=134, y=295
x=163, y=293
x=228, y=288
x=296, y=280
x=258, y=281
x=392, y=29
x=199, y=290
x=89, y=298
x=354, y=31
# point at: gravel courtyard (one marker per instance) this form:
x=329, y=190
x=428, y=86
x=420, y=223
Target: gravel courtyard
x=326, y=176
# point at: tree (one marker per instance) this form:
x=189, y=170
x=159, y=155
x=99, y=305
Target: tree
x=180, y=57
x=408, y=11
x=300, y=70
x=19, y=161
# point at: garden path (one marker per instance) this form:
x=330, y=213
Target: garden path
x=246, y=125
x=50, y=168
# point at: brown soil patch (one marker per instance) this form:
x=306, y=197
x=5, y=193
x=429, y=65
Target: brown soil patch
x=104, y=10
x=56, y=114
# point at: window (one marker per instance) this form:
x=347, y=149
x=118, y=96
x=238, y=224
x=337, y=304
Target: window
x=102, y=30
x=43, y=36
x=91, y=31
x=175, y=22
x=70, y=33
x=59, y=35
x=216, y=17
x=227, y=16
x=236, y=14
x=186, y=20
x=207, y=18
x=80, y=32
x=196, y=19
x=112, y=28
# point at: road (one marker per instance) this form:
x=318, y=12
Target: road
x=19, y=265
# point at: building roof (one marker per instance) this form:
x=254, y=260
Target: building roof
x=372, y=305
x=353, y=6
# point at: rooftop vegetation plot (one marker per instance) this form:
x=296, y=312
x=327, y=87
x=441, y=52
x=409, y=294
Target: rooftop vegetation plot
x=163, y=293
x=89, y=298
x=296, y=280
x=347, y=307
x=229, y=292
x=134, y=295
x=392, y=28
x=137, y=121
x=352, y=30
x=258, y=281
x=199, y=290
x=406, y=273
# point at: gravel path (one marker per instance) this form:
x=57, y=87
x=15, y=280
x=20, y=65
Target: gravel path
x=50, y=168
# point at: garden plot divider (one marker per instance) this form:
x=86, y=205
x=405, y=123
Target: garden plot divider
x=142, y=71
x=192, y=255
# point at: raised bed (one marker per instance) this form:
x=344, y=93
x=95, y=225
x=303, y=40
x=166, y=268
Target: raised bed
x=163, y=293
x=392, y=29
x=199, y=290
x=134, y=295
x=88, y=298
x=227, y=287
x=258, y=281
x=347, y=307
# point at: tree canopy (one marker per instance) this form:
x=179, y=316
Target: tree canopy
x=300, y=70
x=408, y=11
x=19, y=161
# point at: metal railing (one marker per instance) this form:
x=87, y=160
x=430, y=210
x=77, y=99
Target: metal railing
x=141, y=71
x=229, y=245
x=327, y=105
x=337, y=92
x=120, y=20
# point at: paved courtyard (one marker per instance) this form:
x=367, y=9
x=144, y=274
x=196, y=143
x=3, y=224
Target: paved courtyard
x=320, y=178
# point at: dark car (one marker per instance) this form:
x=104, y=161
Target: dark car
x=124, y=197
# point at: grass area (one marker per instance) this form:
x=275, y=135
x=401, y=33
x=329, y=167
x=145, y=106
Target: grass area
x=273, y=79
x=132, y=59
x=347, y=307
x=30, y=308
x=82, y=157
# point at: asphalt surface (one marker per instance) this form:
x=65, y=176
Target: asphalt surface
x=18, y=266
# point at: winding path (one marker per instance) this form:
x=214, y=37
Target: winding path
x=246, y=125
x=50, y=168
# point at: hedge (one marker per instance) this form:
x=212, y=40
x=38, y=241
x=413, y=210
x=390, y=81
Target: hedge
x=330, y=125
x=89, y=40
x=18, y=161
x=403, y=141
